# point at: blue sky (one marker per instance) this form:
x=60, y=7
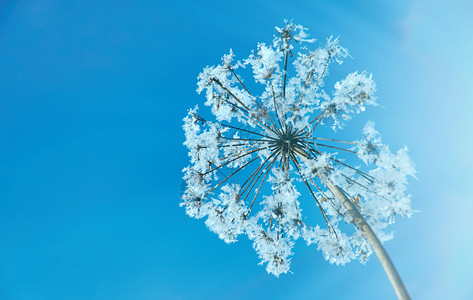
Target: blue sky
x=92, y=96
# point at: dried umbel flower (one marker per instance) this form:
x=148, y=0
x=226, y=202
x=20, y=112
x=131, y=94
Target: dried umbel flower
x=263, y=159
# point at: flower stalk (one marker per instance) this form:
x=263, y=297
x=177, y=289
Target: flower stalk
x=378, y=248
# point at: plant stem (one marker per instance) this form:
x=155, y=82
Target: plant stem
x=378, y=248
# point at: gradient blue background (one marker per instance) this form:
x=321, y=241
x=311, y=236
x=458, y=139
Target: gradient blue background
x=92, y=94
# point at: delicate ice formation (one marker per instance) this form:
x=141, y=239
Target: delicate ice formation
x=268, y=142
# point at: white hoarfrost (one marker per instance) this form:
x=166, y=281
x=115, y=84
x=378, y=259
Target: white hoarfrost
x=259, y=160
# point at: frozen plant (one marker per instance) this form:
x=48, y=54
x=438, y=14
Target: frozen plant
x=263, y=157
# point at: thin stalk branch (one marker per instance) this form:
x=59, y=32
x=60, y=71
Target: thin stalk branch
x=256, y=178
x=334, y=140
x=285, y=73
x=334, y=147
x=363, y=174
x=244, y=109
x=230, y=93
x=276, y=110
x=246, y=139
x=245, y=130
x=238, y=78
x=236, y=158
x=237, y=170
x=250, y=179
x=262, y=124
x=266, y=171
x=254, y=99
x=326, y=219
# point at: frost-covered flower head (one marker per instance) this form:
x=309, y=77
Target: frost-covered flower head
x=263, y=158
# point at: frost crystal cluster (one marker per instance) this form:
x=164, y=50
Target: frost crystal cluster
x=263, y=157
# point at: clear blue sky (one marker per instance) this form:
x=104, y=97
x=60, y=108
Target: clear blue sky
x=92, y=96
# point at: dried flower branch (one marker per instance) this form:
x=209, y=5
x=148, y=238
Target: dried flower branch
x=272, y=143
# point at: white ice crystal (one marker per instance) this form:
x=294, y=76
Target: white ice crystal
x=259, y=160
